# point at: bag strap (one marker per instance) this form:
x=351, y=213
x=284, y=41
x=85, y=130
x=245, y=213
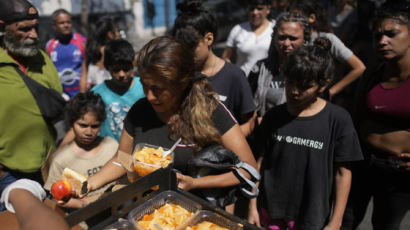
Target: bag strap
x=26, y=78
x=254, y=191
x=30, y=83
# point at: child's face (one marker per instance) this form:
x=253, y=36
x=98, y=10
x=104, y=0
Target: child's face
x=122, y=74
x=202, y=50
x=301, y=96
x=86, y=129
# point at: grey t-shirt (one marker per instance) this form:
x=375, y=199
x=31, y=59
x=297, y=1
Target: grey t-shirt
x=268, y=89
x=338, y=49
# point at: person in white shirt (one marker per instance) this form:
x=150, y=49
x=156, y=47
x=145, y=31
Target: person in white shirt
x=249, y=42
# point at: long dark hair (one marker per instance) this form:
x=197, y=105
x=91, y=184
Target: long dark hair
x=97, y=38
x=193, y=22
x=171, y=61
x=398, y=10
x=308, y=7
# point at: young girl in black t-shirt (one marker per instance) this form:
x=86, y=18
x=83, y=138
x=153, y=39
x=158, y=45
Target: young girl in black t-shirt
x=198, y=29
x=304, y=147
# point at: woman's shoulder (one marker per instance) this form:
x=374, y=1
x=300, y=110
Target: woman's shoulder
x=141, y=104
x=141, y=112
x=245, y=26
x=338, y=49
x=222, y=118
x=270, y=27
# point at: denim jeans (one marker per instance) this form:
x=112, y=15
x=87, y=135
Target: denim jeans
x=4, y=182
x=13, y=175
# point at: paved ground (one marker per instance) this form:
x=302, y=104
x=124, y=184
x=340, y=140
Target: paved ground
x=366, y=224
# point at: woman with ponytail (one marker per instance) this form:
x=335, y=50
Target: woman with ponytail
x=179, y=103
x=306, y=145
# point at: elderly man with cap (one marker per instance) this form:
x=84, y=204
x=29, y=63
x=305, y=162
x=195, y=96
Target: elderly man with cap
x=25, y=137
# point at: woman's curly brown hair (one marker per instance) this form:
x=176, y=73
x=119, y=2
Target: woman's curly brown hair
x=173, y=62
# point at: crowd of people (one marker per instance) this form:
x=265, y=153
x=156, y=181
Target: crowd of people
x=279, y=97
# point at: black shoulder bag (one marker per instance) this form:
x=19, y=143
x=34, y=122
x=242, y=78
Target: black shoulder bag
x=50, y=102
x=215, y=159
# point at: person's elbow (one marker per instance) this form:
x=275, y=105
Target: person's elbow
x=357, y=65
x=360, y=69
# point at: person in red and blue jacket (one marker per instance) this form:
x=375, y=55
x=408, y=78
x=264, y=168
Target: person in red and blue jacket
x=67, y=51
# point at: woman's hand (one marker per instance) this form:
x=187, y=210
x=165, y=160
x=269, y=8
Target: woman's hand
x=405, y=165
x=253, y=214
x=73, y=203
x=185, y=182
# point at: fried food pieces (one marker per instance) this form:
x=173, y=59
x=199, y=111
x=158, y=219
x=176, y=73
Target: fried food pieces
x=168, y=216
x=149, y=159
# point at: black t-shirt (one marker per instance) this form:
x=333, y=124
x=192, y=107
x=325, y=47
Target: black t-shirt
x=143, y=124
x=298, y=167
x=232, y=86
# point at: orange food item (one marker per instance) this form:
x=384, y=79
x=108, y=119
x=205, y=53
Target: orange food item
x=168, y=216
x=206, y=225
x=61, y=190
x=149, y=159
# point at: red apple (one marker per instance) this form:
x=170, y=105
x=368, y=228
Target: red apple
x=61, y=190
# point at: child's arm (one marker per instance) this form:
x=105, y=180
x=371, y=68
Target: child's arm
x=253, y=214
x=69, y=136
x=83, y=78
x=343, y=179
x=248, y=124
x=112, y=170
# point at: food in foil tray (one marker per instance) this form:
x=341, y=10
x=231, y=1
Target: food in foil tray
x=166, y=217
x=206, y=225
